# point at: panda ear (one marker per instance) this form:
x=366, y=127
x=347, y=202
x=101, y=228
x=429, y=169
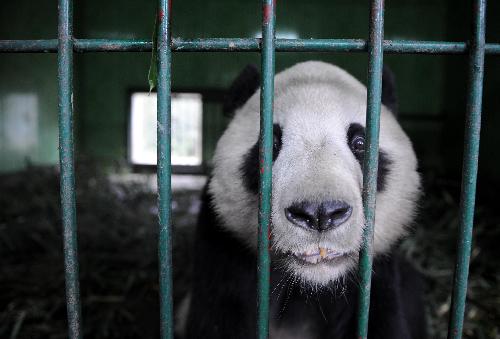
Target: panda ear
x=248, y=81
x=242, y=88
x=389, y=95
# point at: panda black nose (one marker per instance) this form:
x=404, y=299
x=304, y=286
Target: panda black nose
x=319, y=216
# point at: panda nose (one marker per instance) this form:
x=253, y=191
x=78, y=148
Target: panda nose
x=319, y=216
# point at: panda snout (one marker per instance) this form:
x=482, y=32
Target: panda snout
x=319, y=216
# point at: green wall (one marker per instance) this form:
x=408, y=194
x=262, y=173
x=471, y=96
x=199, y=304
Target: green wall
x=28, y=75
x=431, y=88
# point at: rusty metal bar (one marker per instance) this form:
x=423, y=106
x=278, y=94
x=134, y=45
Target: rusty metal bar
x=245, y=45
x=370, y=163
x=469, y=169
x=67, y=167
x=164, y=170
x=266, y=165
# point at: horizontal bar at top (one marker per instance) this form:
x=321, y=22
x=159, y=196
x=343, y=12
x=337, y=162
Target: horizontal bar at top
x=29, y=46
x=245, y=45
x=112, y=45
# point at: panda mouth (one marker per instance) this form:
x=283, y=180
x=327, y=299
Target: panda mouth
x=319, y=255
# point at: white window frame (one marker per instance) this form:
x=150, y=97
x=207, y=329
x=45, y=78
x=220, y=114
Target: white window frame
x=142, y=138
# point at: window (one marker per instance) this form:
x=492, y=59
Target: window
x=187, y=109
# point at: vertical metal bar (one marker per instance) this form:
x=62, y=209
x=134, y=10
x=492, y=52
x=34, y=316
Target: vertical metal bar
x=266, y=163
x=469, y=168
x=66, y=162
x=370, y=164
x=164, y=169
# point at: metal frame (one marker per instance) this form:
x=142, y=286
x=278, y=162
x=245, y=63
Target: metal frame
x=245, y=45
x=67, y=44
x=370, y=162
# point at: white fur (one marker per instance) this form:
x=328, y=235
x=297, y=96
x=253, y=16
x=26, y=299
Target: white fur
x=315, y=103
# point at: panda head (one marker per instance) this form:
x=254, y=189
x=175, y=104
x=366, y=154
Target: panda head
x=317, y=210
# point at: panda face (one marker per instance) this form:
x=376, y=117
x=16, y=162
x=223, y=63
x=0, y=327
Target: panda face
x=317, y=212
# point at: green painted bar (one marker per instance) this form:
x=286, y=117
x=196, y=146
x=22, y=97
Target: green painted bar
x=216, y=45
x=469, y=169
x=67, y=169
x=423, y=47
x=370, y=165
x=281, y=45
x=112, y=45
x=29, y=46
x=245, y=45
x=164, y=169
x=266, y=163
x=492, y=49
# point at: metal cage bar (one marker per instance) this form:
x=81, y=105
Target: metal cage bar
x=245, y=45
x=164, y=169
x=266, y=165
x=67, y=167
x=370, y=163
x=469, y=169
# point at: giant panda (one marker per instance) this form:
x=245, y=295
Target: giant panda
x=317, y=215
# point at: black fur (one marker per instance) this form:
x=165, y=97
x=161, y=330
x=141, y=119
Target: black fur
x=389, y=95
x=248, y=81
x=384, y=162
x=242, y=88
x=223, y=291
x=250, y=164
x=245, y=85
x=223, y=299
x=223, y=285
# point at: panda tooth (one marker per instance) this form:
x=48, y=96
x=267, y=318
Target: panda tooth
x=318, y=255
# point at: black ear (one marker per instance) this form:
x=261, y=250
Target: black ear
x=242, y=88
x=389, y=95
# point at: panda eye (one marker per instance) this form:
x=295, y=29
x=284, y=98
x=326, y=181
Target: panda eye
x=358, y=144
x=276, y=142
x=277, y=134
x=356, y=139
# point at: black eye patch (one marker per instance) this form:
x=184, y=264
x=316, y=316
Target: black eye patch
x=356, y=143
x=250, y=165
x=277, y=142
